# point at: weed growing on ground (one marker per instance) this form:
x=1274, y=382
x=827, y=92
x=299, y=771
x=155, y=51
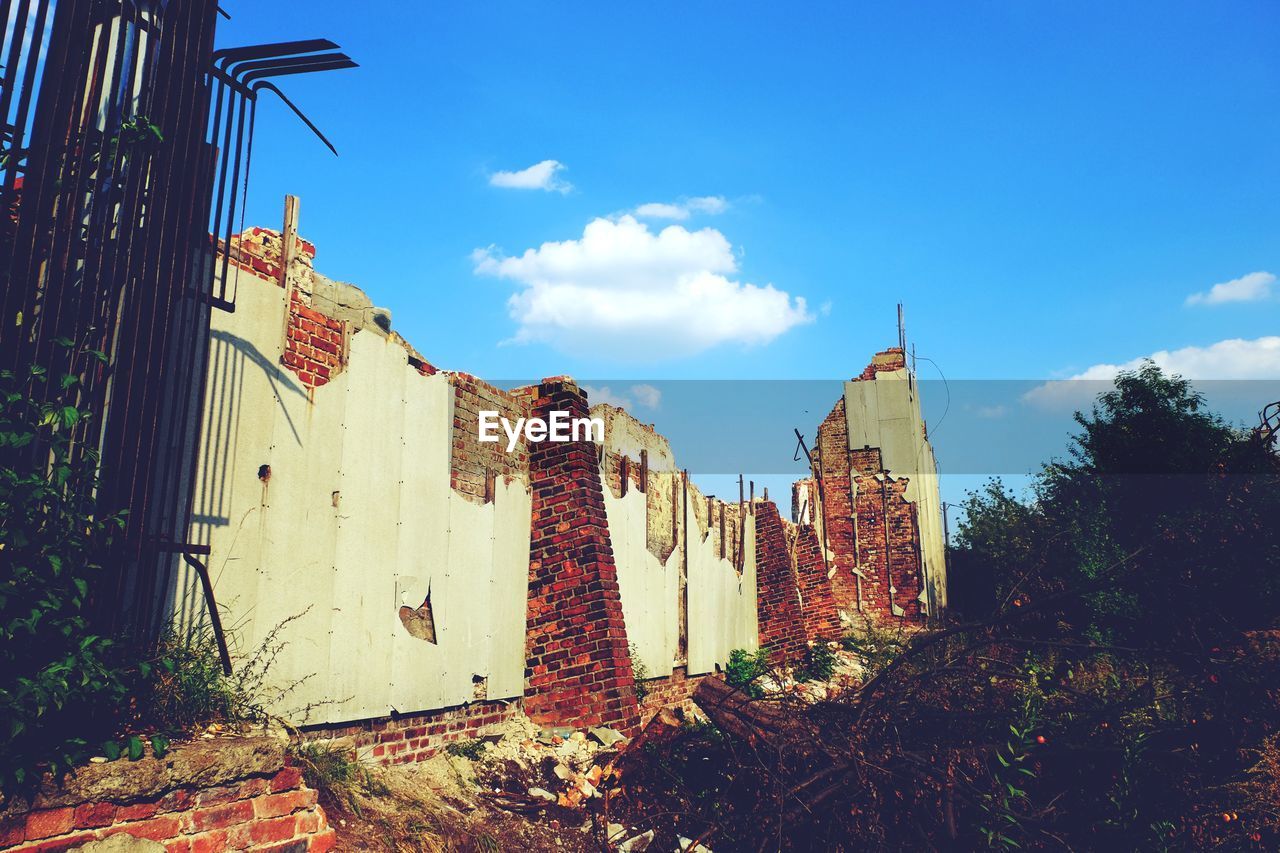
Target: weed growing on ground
x=745, y=669
x=641, y=673
x=472, y=750
x=819, y=664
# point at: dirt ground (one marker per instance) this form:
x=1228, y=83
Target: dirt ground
x=522, y=787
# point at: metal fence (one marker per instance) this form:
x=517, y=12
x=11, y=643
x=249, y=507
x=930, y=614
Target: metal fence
x=119, y=180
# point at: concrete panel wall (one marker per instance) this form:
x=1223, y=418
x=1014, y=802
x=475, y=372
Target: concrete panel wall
x=884, y=413
x=356, y=519
x=721, y=601
x=649, y=588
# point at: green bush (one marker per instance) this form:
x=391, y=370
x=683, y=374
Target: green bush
x=57, y=679
x=745, y=669
x=641, y=673
x=819, y=664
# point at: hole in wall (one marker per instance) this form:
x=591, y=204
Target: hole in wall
x=419, y=621
x=479, y=686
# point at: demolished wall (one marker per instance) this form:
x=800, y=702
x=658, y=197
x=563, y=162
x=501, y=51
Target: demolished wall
x=226, y=793
x=875, y=495
x=434, y=584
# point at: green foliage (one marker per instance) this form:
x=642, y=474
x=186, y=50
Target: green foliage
x=1002, y=806
x=819, y=664
x=1153, y=488
x=141, y=132
x=57, y=675
x=472, y=750
x=641, y=673
x=744, y=670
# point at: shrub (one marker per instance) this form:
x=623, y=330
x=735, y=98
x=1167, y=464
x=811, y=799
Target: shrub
x=641, y=673
x=819, y=663
x=745, y=669
x=58, y=679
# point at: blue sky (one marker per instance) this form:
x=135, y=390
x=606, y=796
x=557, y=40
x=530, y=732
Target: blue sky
x=1042, y=184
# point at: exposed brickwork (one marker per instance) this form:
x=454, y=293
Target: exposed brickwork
x=475, y=465
x=417, y=737
x=885, y=361
x=671, y=691
x=896, y=577
x=832, y=461
x=258, y=250
x=818, y=604
x=855, y=527
x=578, y=667
x=780, y=619
x=254, y=812
x=315, y=344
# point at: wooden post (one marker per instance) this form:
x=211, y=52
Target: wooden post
x=644, y=470
x=722, y=539
x=288, y=248
x=289, y=238
x=675, y=508
x=682, y=602
x=742, y=528
x=624, y=473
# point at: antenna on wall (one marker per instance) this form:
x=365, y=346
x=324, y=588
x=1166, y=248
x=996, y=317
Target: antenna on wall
x=902, y=330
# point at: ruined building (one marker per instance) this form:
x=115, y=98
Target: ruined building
x=436, y=583
x=873, y=497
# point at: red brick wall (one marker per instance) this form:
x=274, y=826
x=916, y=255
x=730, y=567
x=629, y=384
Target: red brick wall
x=671, y=691
x=903, y=570
x=880, y=498
x=578, y=667
x=781, y=622
x=885, y=361
x=818, y=604
x=271, y=810
x=315, y=344
x=417, y=737
x=837, y=506
x=856, y=533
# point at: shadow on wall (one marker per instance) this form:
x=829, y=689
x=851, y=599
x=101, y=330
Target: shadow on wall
x=230, y=357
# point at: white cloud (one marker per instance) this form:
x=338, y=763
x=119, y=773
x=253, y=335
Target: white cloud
x=638, y=397
x=682, y=210
x=1234, y=358
x=1254, y=287
x=628, y=292
x=646, y=396
x=990, y=412
x=539, y=176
